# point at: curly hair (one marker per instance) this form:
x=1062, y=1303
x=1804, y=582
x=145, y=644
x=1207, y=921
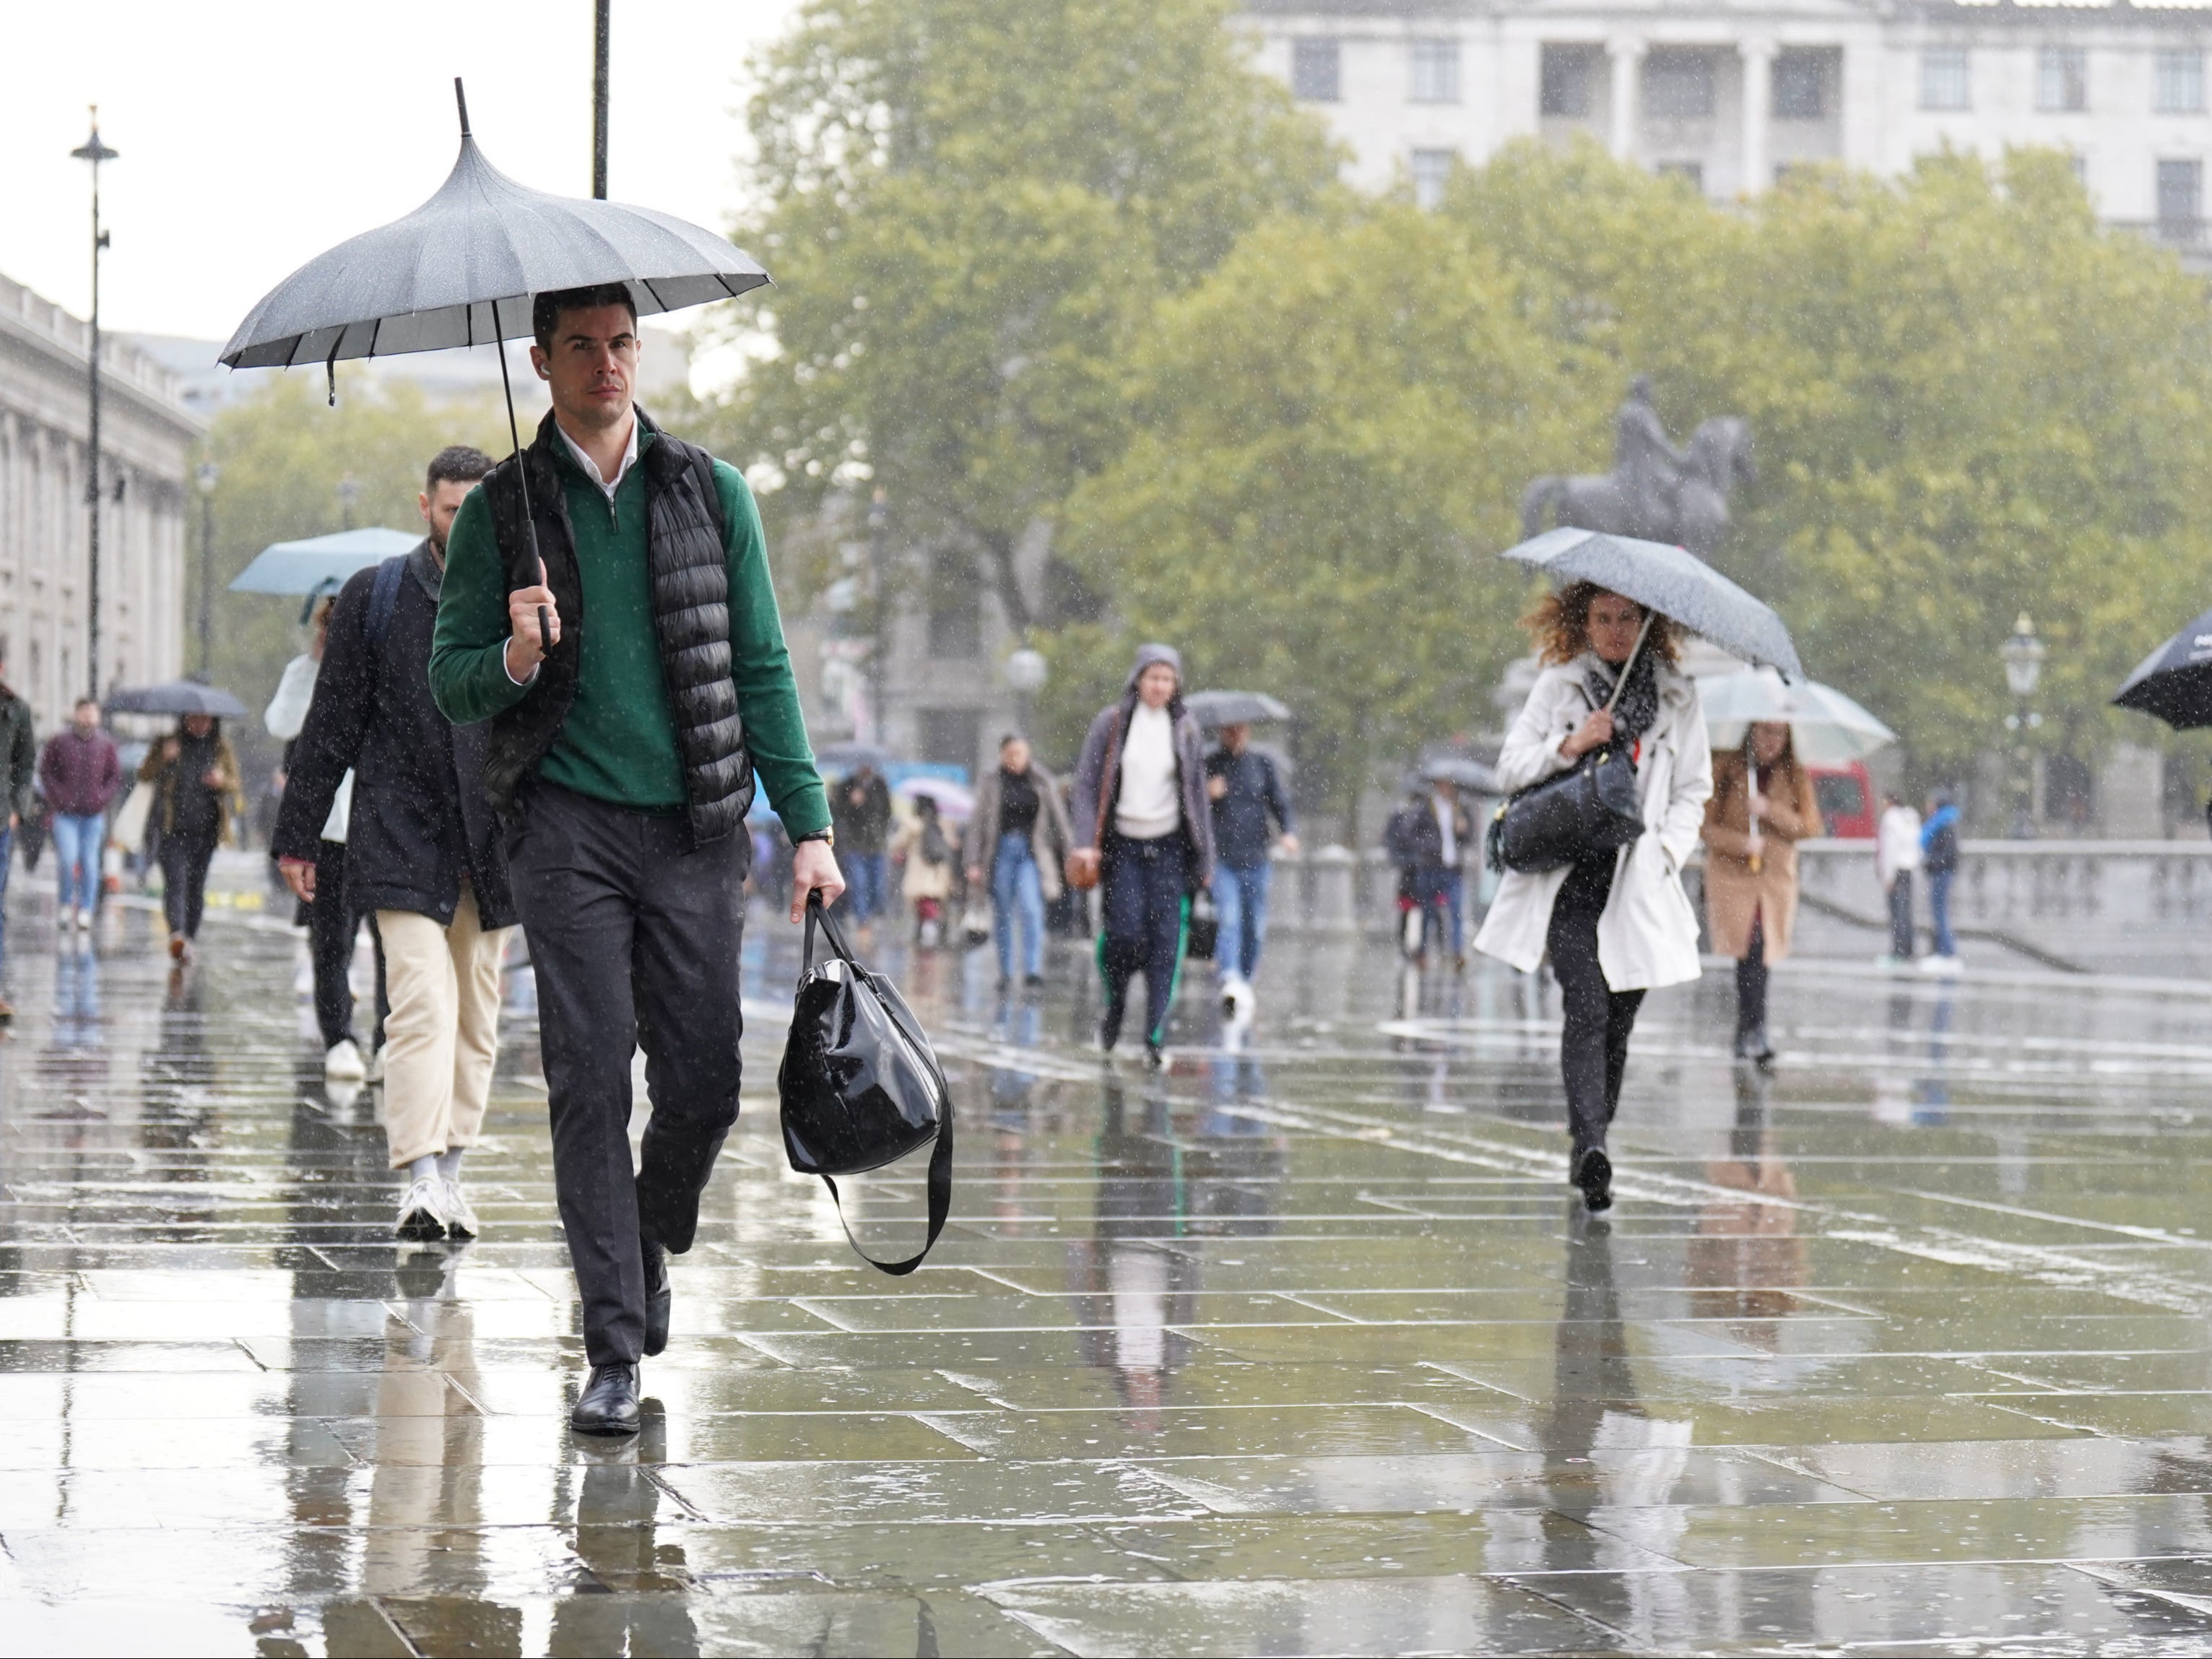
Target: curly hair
x=1559, y=625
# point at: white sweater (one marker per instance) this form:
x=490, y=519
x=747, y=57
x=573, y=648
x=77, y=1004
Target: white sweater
x=1896, y=843
x=1148, y=804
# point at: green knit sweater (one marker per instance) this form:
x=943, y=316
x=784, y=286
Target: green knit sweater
x=618, y=743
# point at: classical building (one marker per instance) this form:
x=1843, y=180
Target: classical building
x=1732, y=95
x=148, y=437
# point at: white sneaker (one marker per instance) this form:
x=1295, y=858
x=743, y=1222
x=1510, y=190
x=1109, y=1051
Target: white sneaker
x=423, y=1211
x=375, y=1069
x=83, y=920
x=345, y=1060
x=460, y=1215
x=1933, y=964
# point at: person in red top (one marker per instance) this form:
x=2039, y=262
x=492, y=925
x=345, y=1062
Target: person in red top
x=80, y=774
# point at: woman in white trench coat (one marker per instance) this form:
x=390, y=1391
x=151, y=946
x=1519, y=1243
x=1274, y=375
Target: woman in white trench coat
x=1619, y=924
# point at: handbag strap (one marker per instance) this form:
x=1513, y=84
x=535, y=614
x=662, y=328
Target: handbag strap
x=940, y=1202
x=1107, y=774
x=816, y=912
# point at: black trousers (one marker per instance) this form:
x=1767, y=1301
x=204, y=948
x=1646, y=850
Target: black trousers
x=1751, y=981
x=185, y=861
x=331, y=925
x=1900, y=915
x=634, y=941
x=1593, y=1046
x=1143, y=932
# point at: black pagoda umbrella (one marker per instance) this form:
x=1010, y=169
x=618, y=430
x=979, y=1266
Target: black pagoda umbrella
x=2174, y=683
x=463, y=269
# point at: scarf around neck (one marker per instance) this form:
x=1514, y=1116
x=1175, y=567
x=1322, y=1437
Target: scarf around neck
x=1639, y=702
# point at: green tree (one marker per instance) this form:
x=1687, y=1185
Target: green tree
x=1331, y=435
x=971, y=207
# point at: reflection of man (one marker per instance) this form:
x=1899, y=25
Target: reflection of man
x=1649, y=466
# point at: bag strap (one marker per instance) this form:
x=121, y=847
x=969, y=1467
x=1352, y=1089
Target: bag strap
x=384, y=599
x=940, y=1156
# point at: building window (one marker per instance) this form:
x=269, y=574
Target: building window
x=1314, y=72
x=2180, y=200
x=1565, y=74
x=1435, y=71
x=2179, y=88
x=1431, y=172
x=1943, y=78
x=1678, y=85
x=1801, y=87
x=1692, y=174
x=2061, y=79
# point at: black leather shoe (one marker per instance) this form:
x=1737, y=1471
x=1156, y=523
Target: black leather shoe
x=1593, y=1173
x=609, y=1402
x=658, y=1298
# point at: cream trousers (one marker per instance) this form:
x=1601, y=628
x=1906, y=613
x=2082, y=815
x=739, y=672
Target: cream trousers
x=442, y=1035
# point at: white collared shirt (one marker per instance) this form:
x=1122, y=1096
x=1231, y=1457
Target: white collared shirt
x=591, y=467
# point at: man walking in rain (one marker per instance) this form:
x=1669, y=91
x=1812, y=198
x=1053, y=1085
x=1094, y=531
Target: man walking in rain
x=625, y=734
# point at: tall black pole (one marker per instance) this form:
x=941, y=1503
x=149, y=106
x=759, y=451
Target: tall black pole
x=879, y=541
x=600, y=23
x=94, y=151
x=207, y=475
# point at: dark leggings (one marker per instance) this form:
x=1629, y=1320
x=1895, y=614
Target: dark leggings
x=331, y=927
x=1593, y=1046
x=185, y=861
x=1143, y=897
x=1750, y=982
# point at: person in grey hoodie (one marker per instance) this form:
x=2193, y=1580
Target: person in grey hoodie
x=1143, y=829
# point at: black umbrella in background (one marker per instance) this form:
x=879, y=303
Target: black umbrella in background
x=1215, y=709
x=2174, y=683
x=462, y=271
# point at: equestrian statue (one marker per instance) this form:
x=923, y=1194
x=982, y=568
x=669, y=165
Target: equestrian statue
x=1655, y=492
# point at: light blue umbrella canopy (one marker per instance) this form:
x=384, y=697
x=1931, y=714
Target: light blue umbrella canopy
x=305, y=567
x=1827, y=728
x=1671, y=580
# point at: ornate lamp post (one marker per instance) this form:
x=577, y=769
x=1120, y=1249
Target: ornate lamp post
x=94, y=151
x=1026, y=672
x=207, y=475
x=2023, y=655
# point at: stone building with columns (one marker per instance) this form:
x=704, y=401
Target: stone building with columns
x=1730, y=95
x=45, y=532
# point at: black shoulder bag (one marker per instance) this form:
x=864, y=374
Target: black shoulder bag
x=859, y=1084
x=1586, y=810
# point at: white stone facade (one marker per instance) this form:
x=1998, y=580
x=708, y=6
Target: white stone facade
x=45, y=531
x=1734, y=93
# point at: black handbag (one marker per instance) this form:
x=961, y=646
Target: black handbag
x=859, y=1084
x=1204, y=927
x=1589, y=810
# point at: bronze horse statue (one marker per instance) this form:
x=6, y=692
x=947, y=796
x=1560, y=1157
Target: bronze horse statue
x=1693, y=514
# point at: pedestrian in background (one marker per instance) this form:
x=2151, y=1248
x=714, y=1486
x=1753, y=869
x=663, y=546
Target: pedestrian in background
x=1406, y=839
x=1757, y=814
x=197, y=799
x=1143, y=825
x=1016, y=841
x=1939, y=856
x=1441, y=846
x=19, y=765
x=925, y=882
x=1616, y=924
x=1896, y=856
x=332, y=919
x=423, y=855
x=80, y=774
x=1245, y=788
x=860, y=808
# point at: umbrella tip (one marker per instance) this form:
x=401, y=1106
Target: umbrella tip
x=461, y=98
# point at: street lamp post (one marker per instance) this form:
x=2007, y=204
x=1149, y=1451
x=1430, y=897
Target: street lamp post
x=206, y=476
x=1026, y=673
x=2023, y=655
x=96, y=152
x=878, y=534
x=349, y=491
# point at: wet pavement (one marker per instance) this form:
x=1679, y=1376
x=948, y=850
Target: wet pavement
x=1302, y=1347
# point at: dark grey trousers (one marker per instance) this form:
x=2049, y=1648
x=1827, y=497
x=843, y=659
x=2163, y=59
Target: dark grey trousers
x=633, y=942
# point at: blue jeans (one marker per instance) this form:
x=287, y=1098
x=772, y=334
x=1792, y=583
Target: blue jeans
x=1017, y=889
x=77, y=837
x=1939, y=908
x=866, y=877
x=1436, y=888
x=1240, y=899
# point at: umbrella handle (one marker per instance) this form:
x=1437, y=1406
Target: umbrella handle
x=1621, y=684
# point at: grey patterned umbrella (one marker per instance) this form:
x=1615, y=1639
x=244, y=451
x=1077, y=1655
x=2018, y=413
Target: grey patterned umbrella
x=1670, y=581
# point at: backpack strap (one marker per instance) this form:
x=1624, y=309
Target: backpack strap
x=384, y=598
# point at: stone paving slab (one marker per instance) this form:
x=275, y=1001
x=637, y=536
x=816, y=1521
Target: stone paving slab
x=1301, y=1347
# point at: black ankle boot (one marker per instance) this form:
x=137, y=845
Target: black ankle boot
x=608, y=1404
x=658, y=1299
x=1593, y=1173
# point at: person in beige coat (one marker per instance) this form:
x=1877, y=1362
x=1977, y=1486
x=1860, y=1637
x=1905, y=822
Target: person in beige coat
x=1751, y=834
x=927, y=882
x=1618, y=924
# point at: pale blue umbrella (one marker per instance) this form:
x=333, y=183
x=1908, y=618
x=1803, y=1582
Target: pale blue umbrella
x=309, y=565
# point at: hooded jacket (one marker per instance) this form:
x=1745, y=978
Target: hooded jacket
x=1098, y=772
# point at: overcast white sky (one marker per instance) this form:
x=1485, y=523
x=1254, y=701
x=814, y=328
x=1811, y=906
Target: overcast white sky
x=255, y=133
